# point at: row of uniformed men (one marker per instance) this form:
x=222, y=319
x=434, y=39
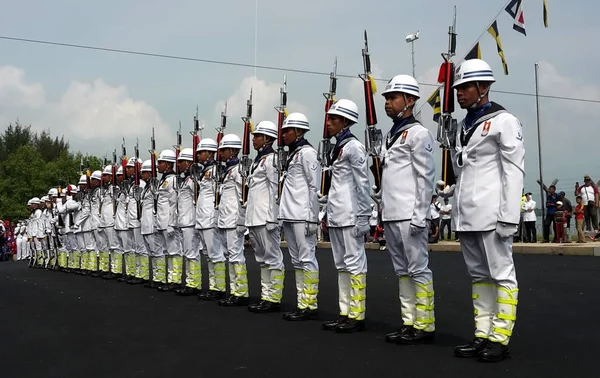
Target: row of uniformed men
x=170, y=226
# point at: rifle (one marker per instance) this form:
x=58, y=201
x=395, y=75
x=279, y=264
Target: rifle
x=447, y=126
x=373, y=135
x=153, y=179
x=246, y=162
x=195, y=170
x=325, y=144
x=61, y=222
x=281, y=153
x=137, y=193
x=124, y=160
x=219, y=166
x=114, y=181
x=177, y=148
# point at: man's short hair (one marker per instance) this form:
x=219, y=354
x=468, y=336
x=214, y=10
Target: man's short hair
x=552, y=186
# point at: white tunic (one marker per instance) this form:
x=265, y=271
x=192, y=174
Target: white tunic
x=148, y=219
x=230, y=212
x=205, y=204
x=73, y=208
x=299, y=200
x=529, y=216
x=166, y=211
x=186, y=212
x=95, y=209
x=407, y=176
x=132, y=208
x=489, y=171
x=107, y=215
x=349, y=193
x=261, y=206
x=121, y=216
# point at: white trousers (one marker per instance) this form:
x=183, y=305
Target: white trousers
x=125, y=240
x=169, y=245
x=230, y=243
x=63, y=242
x=488, y=258
x=213, y=253
x=302, y=248
x=138, y=242
x=266, y=245
x=189, y=242
x=409, y=253
x=101, y=239
x=90, y=241
x=80, y=241
x=348, y=250
x=19, y=247
x=153, y=248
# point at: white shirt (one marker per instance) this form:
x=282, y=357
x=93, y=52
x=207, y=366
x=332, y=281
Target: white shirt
x=261, y=206
x=435, y=214
x=529, y=216
x=446, y=208
x=205, y=204
x=373, y=220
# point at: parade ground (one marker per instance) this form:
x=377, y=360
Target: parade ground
x=56, y=324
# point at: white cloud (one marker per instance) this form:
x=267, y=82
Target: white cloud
x=15, y=91
x=265, y=96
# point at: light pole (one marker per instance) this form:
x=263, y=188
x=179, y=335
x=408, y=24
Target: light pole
x=411, y=38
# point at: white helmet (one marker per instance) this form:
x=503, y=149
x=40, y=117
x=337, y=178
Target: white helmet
x=207, y=144
x=473, y=70
x=230, y=141
x=266, y=128
x=440, y=183
x=72, y=189
x=45, y=199
x=82, y=180
x=404, y=84
x=147, y=166
x=35, y=201
x=167, y=155
x=131, y=162
x=97, y=175
x=296, y=120
x=186, y=154
x=120, y=170
x=30, y=202
x=345, y=108
x=107, y=170
x=53, y=192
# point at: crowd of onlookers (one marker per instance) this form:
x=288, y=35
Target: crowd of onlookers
x=8, y=247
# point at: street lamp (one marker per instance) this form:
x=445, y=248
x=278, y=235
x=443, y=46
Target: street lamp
x=411, y=38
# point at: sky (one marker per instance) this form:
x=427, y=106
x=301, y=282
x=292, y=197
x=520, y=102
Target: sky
x=96, y=98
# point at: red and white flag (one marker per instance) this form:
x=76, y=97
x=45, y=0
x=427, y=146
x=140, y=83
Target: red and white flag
x=515, y=9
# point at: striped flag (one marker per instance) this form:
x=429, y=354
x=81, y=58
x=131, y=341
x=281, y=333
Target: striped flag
x=493, y=30
x=436, y=104
x=475, y=52
x=515, y=9
x=545, y=14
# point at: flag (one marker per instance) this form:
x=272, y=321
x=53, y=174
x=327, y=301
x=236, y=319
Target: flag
x=436, y=104
x=515, y=9
x=545, y=14
x=493, y=30
x=475, y=52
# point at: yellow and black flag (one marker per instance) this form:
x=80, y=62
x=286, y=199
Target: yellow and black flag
x=475, y=52
x=545, y=14
x=493, y=30
x=436, y=104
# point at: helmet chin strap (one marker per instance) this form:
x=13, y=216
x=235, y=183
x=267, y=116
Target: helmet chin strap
x=399, y=116
x=479, y=96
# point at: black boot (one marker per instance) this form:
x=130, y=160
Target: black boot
x=233, y=301
x=301, y=315
x=264, y=307
x=153, y=284
x=186, y=291
x=124, y=278
x=395, y=336
x=211, y=295
x=416, y=336
x=493, y=352
x=135, y=281
x=352, y=325
x=331, y=324
x=165, y=287
x=471, y=349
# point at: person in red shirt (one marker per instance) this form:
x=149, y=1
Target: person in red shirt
x=579, y=211
x=560, y=219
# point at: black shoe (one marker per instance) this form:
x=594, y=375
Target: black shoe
x=211, y=295
x=124, y=278
x=264, y=307
x=352, y=325
x=416, y=336
x=395, y=336
x=110, y=276
x=186, y=291
x=135, y=281
x=331, y=324
x=233, y=301
x=165, y=287
x=301, y=315
x=96, y=274
x=471, y=349
x=493, y=352
x=153, y=284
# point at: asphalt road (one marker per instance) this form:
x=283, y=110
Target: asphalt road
x=65, y=325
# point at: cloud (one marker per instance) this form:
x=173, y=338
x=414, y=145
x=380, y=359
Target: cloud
x=265, y=96
x=356, y=91
x=15, y=91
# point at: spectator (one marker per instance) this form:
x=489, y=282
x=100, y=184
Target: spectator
x=589, y=195
x=529, y=219
x=519, y=236
x=560, y=223
x=568, y=207
x=579, y=211
x=551, y=199
x=445, y=215
x=373, y=220
x=434, y=231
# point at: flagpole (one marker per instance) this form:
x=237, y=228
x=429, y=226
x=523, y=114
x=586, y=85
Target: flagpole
x=537, y=106
x=255, y=36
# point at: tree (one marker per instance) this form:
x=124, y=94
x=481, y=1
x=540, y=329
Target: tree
x=13, y=138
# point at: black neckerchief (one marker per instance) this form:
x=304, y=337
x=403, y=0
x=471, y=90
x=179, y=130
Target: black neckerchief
x=341, y=139
x=165, y=176
x=487, y=113
x=294, y=148
x=401, y=125
x=262, y=153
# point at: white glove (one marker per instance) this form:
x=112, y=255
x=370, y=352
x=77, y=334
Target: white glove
x=311, y=229
x=447, y=192
x=322, y=199
x=505, y=230
x=75, y=227
x=362, y=227
x=170, y=231
x=415, y=230
x=272, y=227
x=376, y=196
x=243, y=205
x=241, y=229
